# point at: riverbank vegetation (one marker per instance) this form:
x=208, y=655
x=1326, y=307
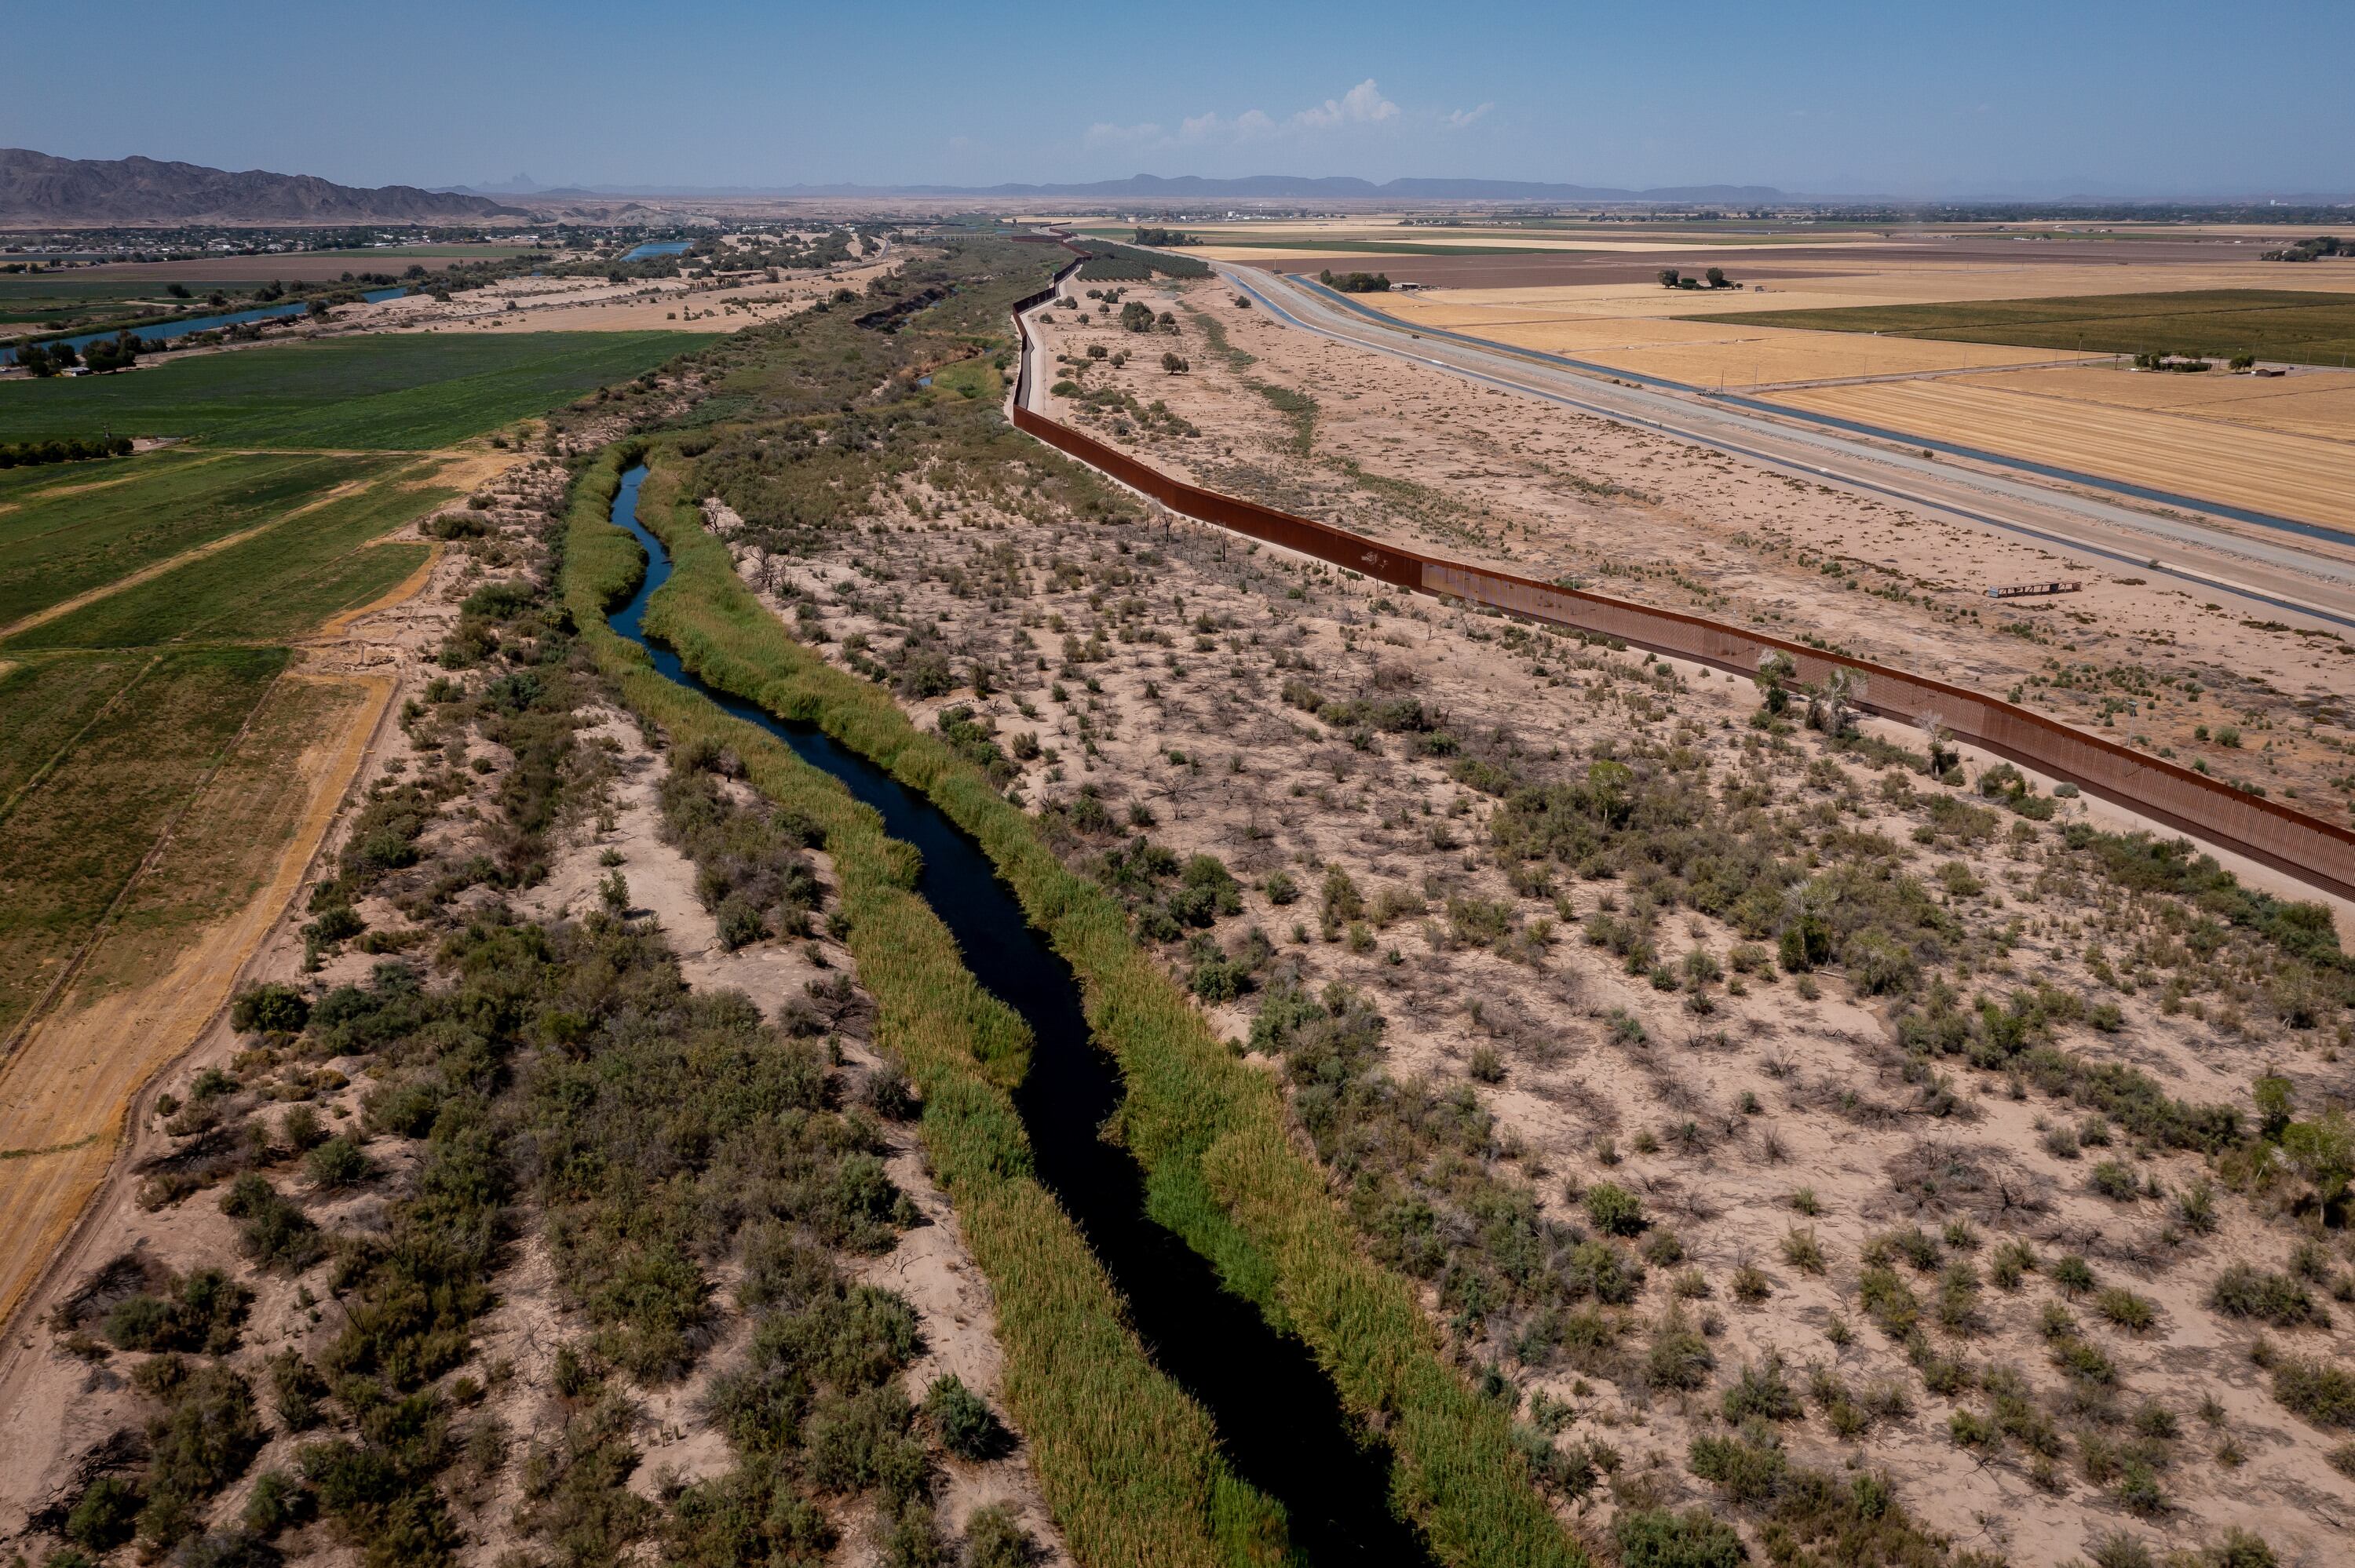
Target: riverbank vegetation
x=1128, y=1461
x=1210, y=1132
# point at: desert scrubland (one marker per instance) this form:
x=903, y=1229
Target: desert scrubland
x=1679, y=1117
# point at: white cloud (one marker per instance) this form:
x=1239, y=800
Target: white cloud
x=1104, y=135
x=1455, y=120
x=1362, y=105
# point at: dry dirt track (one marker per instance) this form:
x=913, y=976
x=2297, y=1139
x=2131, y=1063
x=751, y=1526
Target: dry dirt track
x=65, y=1092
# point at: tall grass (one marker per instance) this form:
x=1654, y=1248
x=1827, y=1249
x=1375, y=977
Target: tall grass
x=1128, y=1461
x=1210, y=1131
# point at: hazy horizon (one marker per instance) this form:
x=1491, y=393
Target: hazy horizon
x=2102, y=101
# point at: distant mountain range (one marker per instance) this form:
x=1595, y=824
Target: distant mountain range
x=1182, y=188
x=37, y=189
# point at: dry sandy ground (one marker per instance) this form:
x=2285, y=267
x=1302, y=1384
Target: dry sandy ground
x=593, y=304
x=1410, y=453
x=1181, y=717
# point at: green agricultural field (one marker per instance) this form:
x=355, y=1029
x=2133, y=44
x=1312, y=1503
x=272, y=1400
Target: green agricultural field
x=33, y=303
x=78, y=526
x=2276, y=324
x=280, y=583
x=407, y=391
x=115, y=711
x=44, y=705
x=68, y=846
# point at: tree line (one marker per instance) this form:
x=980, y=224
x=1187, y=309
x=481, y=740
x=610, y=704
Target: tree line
x=71, y=449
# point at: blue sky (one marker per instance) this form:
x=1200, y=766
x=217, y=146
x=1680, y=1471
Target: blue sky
x=2153, y=98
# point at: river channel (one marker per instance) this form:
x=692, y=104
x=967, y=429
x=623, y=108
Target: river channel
x=1279, y=1418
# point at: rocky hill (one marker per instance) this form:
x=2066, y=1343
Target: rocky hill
x=37, y=189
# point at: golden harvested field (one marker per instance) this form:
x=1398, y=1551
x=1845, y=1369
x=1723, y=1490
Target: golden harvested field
x=2300, y=476
x=2309, y=403
x=1707, y=356
x=1806, y=284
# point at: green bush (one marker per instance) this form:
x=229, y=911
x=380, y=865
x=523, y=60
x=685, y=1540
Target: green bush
x=2244, y=1290
x=967, y=1427
x=1654, y=1538
x=2115, y=1180
x=336, y=1163
x=104, y=1515
x=203, y=1439
x=274, y=1233
x=1614, y=1210
x=994, y=1539
x=1679, y=1356
x=270, y=1008
x=1750, y=1473
x=2321, y=1392
x=199, y=1312
x=278, y=1502
x=1761, y=1391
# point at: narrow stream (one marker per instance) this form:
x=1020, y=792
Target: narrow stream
x=1278, y=1417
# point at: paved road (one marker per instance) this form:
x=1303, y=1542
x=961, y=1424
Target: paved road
x=2308, y=577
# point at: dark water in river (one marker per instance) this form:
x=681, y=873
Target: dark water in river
x=1278, y=1418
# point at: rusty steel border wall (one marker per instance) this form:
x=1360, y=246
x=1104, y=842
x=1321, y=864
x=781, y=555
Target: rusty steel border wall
x=2313, y=851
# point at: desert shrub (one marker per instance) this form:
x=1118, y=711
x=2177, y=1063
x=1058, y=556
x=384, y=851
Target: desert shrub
x=1614, y=1209
x=336, y=1163
x=278, y=1502
x=1888, y=1301
x=1748, y=1472
x=2321, y=1392
x=752, y=871
x=274, y=1233
x=297, y=1388
x=1656, y=1538
x=1677, y=1356
x=995, y=1539
x=2239, y=1548
x=102, y=1518
x=2244, y=1290
x=2125, y=1308
x=199, y=1312
x=2115, y=1180
x=1761, y=1390
x=1609, y=1274
x=269, y=1008
x=863, y=1440
x=2119, y=1550
x=208, y=1433
x=967, y=1427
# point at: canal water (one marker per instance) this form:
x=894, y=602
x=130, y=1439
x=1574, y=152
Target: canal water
x=1278, y=1417
x=181, y=326
x=656, y=248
